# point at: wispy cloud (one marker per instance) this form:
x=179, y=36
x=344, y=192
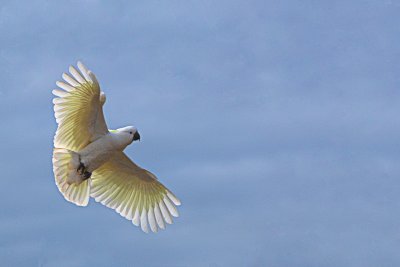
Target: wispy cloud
x=274, y=121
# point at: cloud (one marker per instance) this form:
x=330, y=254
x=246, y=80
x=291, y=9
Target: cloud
x=275, y=123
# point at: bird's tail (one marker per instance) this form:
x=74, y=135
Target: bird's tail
x=69, y=182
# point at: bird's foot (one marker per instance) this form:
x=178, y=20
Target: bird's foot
x=81, y=168
x=83, y=172
x=87, y=175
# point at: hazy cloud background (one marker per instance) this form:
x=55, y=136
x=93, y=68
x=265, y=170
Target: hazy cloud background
x=275, y=122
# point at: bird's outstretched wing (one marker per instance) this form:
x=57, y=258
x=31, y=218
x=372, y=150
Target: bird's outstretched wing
x=133, y=192
x=78, y=109
x=79, y=114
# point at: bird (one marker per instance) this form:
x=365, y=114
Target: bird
x=89, y=160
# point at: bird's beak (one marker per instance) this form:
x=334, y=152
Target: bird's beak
x=136, y=136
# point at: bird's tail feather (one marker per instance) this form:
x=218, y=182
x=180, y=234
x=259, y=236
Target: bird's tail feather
x=69, y=182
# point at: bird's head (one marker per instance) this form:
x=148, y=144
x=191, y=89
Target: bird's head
x=129, y=133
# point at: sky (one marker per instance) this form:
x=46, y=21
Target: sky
x=275, y=122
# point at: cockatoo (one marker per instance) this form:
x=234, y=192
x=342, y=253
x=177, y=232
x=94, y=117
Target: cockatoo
x=88, y=158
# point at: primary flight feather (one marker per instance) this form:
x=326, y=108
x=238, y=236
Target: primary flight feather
x=88, y=159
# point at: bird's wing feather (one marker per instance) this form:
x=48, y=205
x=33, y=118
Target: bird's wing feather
x=133, y=192
x=78, y=110
x=75, y=193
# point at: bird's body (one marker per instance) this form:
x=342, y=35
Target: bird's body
x=103, y=149
x=88, y=159
x=99, y=152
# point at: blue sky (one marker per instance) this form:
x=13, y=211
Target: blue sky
x=275, y=122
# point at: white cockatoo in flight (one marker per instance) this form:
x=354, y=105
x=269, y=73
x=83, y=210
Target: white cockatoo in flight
x=88, y=158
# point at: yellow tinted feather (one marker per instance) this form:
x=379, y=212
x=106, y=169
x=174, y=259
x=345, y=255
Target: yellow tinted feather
x=133, y=192
x=78, y=111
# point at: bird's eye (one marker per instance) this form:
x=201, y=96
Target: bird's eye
x=130, y=132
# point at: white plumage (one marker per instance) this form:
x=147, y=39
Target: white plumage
x=88, y=159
